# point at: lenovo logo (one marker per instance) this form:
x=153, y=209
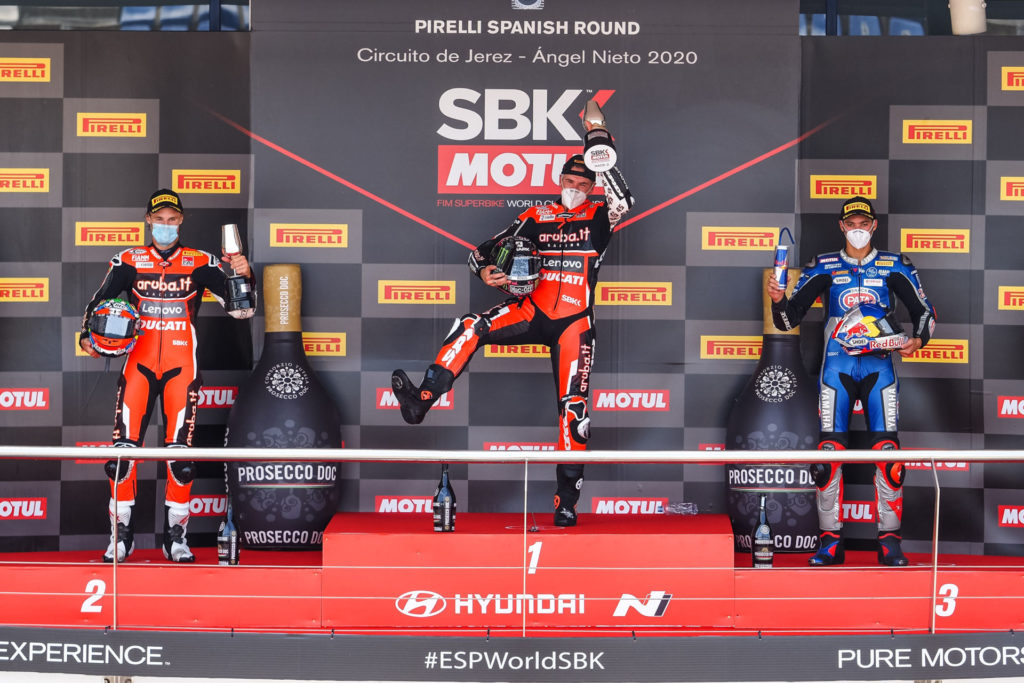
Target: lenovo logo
x=22, y=508
x=634, y=294
x=403, y=505
x=716, y=238
x=309, y=235
x=632, y=400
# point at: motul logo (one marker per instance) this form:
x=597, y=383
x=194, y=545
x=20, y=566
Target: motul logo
x=24, y=180
x=403, y=504
x=24, y=70
x=1010, y=406
x=937, y=132
x=517, y=351
x=940, y=466
x=1012, y=78
x=716, y=238
x=324, y=343
x=730, y=347
x=1011, y=298
x=196, y=181
x=217, y=397
x=22, y=508
x=25, y=399
x=386, y=400
x=941, y=351
x=1011, y=515
x=207, y=506
x=653, y=606
x=936, y=240
x=858, y=511
x=632, y=400
x=711, y=447
x=842, y=186
x=416, y=291
x=26, y=290
x=319, y=235
x=500, y=169
x=111, y=125
x=127, y=234
x=628, y=506
x=517, y=446
x=1011, y=189
x=634, y=294
x=92, y=444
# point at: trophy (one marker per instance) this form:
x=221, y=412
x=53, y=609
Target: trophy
x=598, y=148
x=240, y=302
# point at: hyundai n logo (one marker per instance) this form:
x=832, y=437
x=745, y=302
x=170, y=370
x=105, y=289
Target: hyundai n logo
x=654, y=606
x=420, y=604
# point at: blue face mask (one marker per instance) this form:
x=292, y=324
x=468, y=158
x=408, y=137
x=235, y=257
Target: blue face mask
x=164, y=235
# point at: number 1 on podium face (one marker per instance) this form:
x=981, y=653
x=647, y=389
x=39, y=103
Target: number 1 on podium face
x=534, y=551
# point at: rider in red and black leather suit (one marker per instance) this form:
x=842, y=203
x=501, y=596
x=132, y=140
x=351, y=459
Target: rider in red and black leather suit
x=165, y=282
x=559, y=313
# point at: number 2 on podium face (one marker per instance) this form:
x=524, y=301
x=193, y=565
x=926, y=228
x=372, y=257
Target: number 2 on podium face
x=534, y=551
x=96, y=589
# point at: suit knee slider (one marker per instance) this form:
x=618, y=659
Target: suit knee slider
x=117, y=473
x=821, y=473
x=183, y=471
x=573, y=410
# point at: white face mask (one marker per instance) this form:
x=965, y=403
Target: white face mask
x=571, y=197
x=858, y=238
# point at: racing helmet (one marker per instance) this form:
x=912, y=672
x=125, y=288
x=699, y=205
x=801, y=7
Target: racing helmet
x=518, y=258
x=114, y=327
x=869, y=328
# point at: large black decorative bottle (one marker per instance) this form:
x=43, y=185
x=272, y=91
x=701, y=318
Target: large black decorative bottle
x=777, y=410
x=283, y=504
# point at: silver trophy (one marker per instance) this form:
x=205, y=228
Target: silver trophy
x=240, y=302
x=598, y=149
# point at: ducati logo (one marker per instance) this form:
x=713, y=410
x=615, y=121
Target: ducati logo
x=420, y=604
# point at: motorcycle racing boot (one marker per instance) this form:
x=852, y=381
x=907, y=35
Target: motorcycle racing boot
x=570, y=482
x=890, y=553
x=122, y=534
x=416, y=401
x=175, y=545
x=830, y=550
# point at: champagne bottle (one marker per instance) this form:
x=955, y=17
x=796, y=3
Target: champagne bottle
x=227, y=538
x=776, y=410
x=444, y=503
x=763, y=543
x=283, y=504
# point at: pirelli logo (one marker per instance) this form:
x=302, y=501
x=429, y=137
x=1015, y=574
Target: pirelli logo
x=729, y=347
x=107, y=233
x=203, y=181
x=25, y=289
x=941, y=351
x=24, y=180
x=937, y=132
x=309, y=235
x=935, y=240
x=1012, y=78
x=517, y=351
x=416, y=291
x=25, y=70
x=718, y=238
x=633, y=294
x=1011, y=188
x=843, y=186
x=110, y=125
x=1011, y=298
x=324, y=343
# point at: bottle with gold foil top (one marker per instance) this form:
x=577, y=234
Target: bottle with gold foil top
x=776, y=410
x=283, y=504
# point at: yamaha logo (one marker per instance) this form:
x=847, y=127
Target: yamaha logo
x=420, y=604
x=775, y=384
x=287, y=381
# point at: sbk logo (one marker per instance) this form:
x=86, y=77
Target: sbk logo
x=420, y=604
x=653, y=606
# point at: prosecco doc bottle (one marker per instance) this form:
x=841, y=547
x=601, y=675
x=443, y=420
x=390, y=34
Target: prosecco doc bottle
x=444, y=503
x=283, y=504
x=227, y=539
x=763, y=543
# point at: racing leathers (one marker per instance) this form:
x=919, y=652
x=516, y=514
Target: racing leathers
x=167, y=289
x=843, y=282
x=558, y=313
